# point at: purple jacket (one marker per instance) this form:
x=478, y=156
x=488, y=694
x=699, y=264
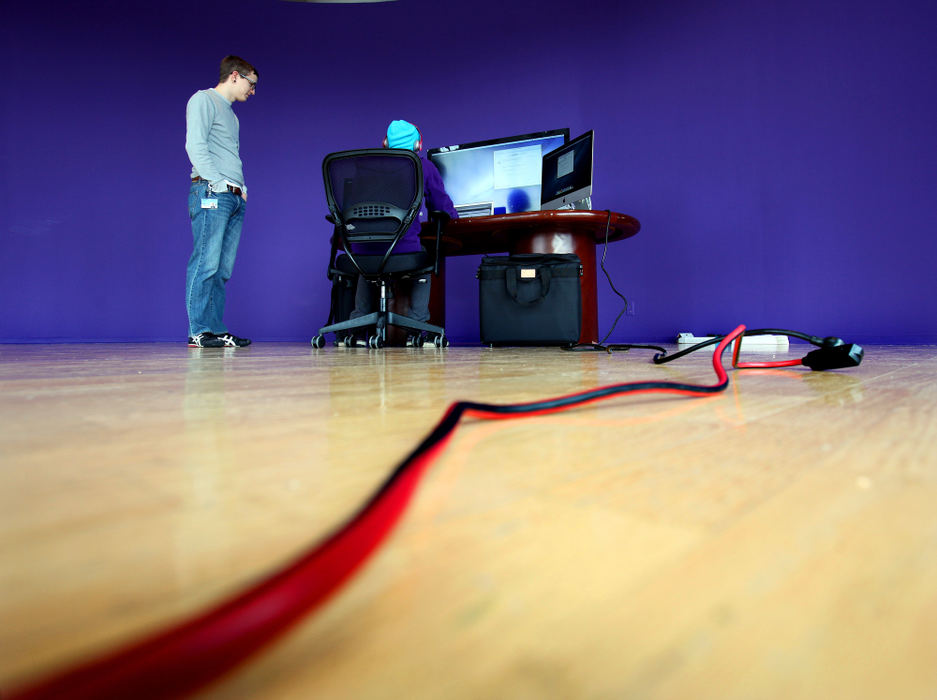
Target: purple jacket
x=434, y=195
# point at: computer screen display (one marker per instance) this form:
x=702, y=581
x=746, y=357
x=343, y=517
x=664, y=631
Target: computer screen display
x=498, y=175
x=567, y=174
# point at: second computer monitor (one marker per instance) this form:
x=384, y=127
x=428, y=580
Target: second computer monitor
x=498, y=175
x=567, y=174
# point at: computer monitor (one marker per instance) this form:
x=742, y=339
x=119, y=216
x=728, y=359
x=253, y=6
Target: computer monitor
x=567, y=174
x=496, y=176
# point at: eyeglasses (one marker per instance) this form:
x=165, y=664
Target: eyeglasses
x=252, y=82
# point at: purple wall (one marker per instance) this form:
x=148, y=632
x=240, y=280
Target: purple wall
x=781, y=156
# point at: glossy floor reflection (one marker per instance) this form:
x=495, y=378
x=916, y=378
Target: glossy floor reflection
x=776, y=540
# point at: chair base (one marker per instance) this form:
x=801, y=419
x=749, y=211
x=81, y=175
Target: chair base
x=383, y=317
x=380, y=320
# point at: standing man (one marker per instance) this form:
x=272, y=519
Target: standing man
x=217, y=199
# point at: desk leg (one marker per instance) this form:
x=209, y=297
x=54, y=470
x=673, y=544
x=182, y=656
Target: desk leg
x=437, y=296
x=583, y=245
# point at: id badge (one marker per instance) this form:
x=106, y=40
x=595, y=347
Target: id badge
x=209, y=203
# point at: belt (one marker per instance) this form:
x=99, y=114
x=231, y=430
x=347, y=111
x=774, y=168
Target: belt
x=231, y=188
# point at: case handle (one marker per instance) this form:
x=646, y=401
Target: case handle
x=511, y=280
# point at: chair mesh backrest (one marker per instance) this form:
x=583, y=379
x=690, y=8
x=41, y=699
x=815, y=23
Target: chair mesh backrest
x=373, y=194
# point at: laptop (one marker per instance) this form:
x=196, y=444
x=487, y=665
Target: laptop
x=475, y=209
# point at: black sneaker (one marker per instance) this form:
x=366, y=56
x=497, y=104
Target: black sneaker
x=416, y=340
x=206, y=340
x=232, y=341
x=354, y=341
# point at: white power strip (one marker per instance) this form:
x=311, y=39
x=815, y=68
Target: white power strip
x=760, y=343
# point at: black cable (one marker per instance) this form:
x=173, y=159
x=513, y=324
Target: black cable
x=456, y=411
x=608, y=222
x=633, y=346
x=599, y=346
x=580, y=347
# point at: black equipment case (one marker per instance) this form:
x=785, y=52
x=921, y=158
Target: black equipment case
x=530, y=299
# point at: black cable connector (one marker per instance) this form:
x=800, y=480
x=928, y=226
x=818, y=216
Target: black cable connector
x=834, y=357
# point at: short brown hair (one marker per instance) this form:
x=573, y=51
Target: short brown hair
x=229, y=64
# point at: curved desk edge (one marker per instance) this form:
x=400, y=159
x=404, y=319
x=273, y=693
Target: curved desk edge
x=498, y=234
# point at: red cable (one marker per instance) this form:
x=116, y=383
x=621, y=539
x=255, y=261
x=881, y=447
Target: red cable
x=184, y=658
x=752, y=365
x=780, y=363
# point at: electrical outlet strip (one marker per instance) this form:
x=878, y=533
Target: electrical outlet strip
x=758, y=343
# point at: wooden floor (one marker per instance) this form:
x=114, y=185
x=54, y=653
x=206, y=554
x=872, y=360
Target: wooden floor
x=776, y=541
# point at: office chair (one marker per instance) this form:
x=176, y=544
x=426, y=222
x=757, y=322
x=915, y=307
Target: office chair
x=373, y=196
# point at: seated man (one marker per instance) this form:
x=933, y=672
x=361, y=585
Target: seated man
x=403, y=134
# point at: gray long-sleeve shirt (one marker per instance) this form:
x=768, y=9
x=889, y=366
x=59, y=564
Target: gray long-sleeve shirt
x=212, y=139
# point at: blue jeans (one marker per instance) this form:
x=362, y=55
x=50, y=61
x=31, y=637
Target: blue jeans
x=215, y=236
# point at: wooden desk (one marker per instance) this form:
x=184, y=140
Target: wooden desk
x=557, y=231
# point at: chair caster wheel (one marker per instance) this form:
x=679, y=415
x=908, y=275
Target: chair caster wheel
x=349, y=341
x=375, y=342
x=318, y=341
x=441, y=341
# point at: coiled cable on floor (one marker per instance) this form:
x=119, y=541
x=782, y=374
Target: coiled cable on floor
x=188, y=656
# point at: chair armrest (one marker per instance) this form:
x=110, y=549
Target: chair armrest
x=334, y=241
x=440, y=215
